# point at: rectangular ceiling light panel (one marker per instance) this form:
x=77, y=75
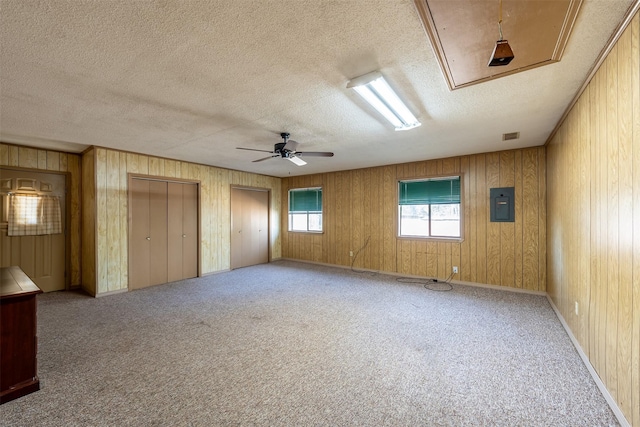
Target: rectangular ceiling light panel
x=377, y=92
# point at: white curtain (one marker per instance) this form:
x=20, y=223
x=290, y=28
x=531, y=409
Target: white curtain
x=31, y=215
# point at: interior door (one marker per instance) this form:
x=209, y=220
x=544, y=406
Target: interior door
x=183, y=231
x=139, y=240
x=163, y=232
x=249, y=227
x=41, y=257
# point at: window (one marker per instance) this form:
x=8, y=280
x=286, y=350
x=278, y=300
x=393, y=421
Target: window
x=429, y=207
x=305, y=209
x=31, y=215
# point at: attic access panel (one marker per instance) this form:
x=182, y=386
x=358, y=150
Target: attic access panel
x=463, y=34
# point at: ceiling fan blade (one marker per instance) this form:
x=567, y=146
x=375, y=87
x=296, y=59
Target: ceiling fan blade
x=265, y=158
x=253, y=149
x=291, y=145
x=315, y=154
x=297, y=160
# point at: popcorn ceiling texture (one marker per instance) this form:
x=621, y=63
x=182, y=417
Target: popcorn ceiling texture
x=192, y=80
x=288, y=343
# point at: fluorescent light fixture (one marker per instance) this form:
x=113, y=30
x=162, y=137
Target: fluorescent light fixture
x=297, y=160
x=377, y=92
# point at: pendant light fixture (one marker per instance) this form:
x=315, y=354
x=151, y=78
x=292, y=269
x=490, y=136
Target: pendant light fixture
x=502, y=53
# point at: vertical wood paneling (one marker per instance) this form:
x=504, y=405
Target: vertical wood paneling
x=74, y=189
x=110, y=189
x=471, y=230
x=64, y=160
x=493, y=228
x=369, y=211
x=482, y=212
x=507, y=229
x=518, y=211
x=465, y=267
x=613, y=272
x=123, y=215
x=14, y=156
x=530, y=219
x=102, y=224
x=42, y=159
x=542, y=220
x=27, y=157
x=53, y=161
x=113, y=219
x=89, y=222
x=4, y=154
x=593, y=219
x=635, y=340
x=625, y=224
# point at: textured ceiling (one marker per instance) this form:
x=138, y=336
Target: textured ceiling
x=192, y=80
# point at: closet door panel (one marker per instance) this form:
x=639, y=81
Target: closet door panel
x=189, y=231
x=139, y=245
x=263, y=228
x=158, y=232
x=174, y=249
x=237, y=197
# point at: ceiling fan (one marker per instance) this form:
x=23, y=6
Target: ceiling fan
x=287, y=149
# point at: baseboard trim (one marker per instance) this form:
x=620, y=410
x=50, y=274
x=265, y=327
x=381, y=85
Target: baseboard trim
x=104, y=294
x=212, y=273
x=603, y=389
x=456, y=282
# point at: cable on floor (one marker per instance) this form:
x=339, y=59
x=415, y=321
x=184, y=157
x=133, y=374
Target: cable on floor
x=430, y=283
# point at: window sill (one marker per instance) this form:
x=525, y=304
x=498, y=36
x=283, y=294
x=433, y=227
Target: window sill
x=305, y=232
x=433, y=239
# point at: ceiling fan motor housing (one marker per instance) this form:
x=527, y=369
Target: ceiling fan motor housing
x=279, y=148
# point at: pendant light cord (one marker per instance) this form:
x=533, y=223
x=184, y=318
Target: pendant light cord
x=500, y=20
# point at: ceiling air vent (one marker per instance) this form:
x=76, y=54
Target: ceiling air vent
x=510, y=136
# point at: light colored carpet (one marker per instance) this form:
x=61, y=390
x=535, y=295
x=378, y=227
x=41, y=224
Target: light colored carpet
x=296, y=344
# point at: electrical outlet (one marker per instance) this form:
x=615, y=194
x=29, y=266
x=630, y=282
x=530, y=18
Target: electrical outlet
x=350, y=253
x=576, y=308
x=455, y=269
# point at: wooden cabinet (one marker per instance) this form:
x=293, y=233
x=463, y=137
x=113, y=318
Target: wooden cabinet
x=163, y=236
x=18, y=344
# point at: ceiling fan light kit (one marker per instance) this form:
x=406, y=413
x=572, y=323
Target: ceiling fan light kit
x=377, y=92
x=502, y=53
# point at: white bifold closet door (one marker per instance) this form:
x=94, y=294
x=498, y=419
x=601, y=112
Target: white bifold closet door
x=163, y=240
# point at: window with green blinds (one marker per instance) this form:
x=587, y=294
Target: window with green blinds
x=430, y=192
x=305, y=200
x=305, y=210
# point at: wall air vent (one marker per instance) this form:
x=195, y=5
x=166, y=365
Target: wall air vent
x=510, y=136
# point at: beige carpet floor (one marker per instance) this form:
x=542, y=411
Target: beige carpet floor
x=293, y=344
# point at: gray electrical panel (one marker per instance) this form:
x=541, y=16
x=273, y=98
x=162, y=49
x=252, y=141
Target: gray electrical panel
x=502, y=204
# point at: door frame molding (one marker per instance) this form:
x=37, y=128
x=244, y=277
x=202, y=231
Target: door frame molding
x=67, y=219
x=249, y=188
x=132, y=176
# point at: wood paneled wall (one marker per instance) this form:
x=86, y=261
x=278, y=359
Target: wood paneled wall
x=89, y=221
x=111, y=211
x=55, y=161
x=360, y=207
x=594, y=221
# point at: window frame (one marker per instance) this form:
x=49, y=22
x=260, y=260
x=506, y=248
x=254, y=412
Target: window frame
x=307, y=213
x=459, y=238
